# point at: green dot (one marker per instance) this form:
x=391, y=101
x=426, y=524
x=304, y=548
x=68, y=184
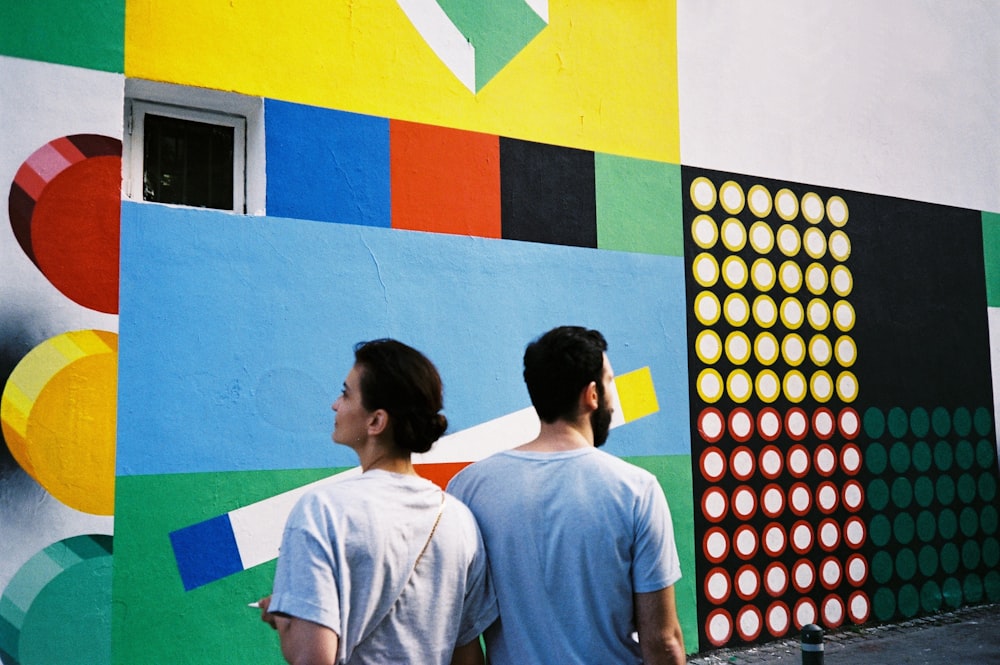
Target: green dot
x=941, y=421
x=902, y=492
x=878, y=494
x=952, y=592
x=966, y=488
x=991, y=552
x=962, y=421
x=884, y=604
x=922, y=458
x=988, y=520
x=906, y=563
x=968, y=521
x=942, y=455
x=965, y=454
x=874, y=423
x=983, y=421
x=926, y=526
x=947, y=523
x=903, y=528
x=930, y=596
x=972, y=588
x=992, y=584
x=945, y=489
x=928, y=560
x=920, y=422
x=909, y=600
x=898, y=422
x=986, y=454
x=923, y=490
x=882, y=567
x=876, y=458
x=899, y=457
x=970, y=555
x=951, y=558
x=987, y=486
x=880, y=530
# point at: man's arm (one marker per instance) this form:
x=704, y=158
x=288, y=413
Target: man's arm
x=302, y=642
x=469, y=654
x=660, y=637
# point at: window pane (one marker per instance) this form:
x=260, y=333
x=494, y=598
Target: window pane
x=188, y=163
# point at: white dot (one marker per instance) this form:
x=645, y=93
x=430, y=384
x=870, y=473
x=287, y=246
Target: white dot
x=719, y=628
x=801, y=499
x=711, y=424
x=777, y=619
x=804, y=576
x=716, y=545
x=797, y=423
x=718, y=586
x=829, y=534
x=854, y=532
x=826, y=460
x=827, y=498
x=812, y=207
x=703, y=193
x=840, y=278
x=743, y=463
x=746, y=542
x=857, y=569
x=704, y=231
x=852, y=495
x=770, y=424
x=771, y=462
x=787, y=204
x=851, y=460
x=814, y=242
x=805, y=613
x=801, y=537
x=859, y=607
x=833, y=611
x=840, y=245
x=831, y=572
x=747, y=582
x=715, y=504
x=774, y=541
x=774, y=500
x=744, y=502
x=714, y=464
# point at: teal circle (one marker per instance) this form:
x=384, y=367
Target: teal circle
x=926, y=526
x=906, y=563
x=941, y=421
x=923, y=491
x=876, y=459
x=878, y=494
x=922, y=457
x=947, y=523
x=874, y=423
x=945, y=489
x=902, y=492
x=972, y=588
x=966, y=488
x=988, y=519
x=899, y=457
x=898, y=422
x=965, y=454
x=992, y=584
x=884, y=604
x=880, y=530
x=971, y=555
x=968, y=521
x=920, y=422
x=950, y=557
x=987, y=487
x=982, y=421
x=952, y=592
x=991, y=552
x=882, y=567
x=909, y=600
x=903, y=528
x=930, y=596
x=962, y=421
x=943, y=455
x=986, y=454
x=927, y=560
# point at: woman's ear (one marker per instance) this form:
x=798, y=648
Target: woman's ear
x=378, y=422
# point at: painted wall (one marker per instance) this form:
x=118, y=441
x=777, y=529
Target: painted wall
x=785, y=220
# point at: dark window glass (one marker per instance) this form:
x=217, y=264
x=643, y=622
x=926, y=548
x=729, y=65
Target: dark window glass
x=188, y=163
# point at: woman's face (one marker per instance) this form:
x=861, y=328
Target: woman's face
x=350, y=424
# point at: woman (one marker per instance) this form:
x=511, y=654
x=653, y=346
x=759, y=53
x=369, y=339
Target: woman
x=382, y=567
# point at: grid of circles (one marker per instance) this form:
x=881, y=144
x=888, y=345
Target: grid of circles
x=933, y=490
x=774, y=326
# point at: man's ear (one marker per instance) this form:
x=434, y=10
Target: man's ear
x=378, y=421
x=588, y=398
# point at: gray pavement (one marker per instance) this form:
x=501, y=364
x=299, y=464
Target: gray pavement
x=967, y=636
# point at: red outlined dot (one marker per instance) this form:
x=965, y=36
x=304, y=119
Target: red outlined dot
x=718, y=586
x=776, y=579
x=831, y=573
x=848, y=423
x=825, y=460
x=778, y=618
x=772, y=462
x=719, y=627
x=772, y=500
x=740, y=424
x=711, y=424
x=716, y=544
x=742, y=463
x=747, y=582
x=798, y=460
x=855, y=532
x=745, y=542
x=714, y=504
x=823, y=423
x=744, y=502
x=853, y=495
x=857, y=569
x=850, y=459
x=827, y=497
x=769, y=424
x=749, y=623
x=796, y=423
x=828, y=534
x=859, y=608
x=803, y=576
x=805, y=612
x=801, y=537
x=800, y=499
x=833, y=611
x=774, y=539
x=712, y=464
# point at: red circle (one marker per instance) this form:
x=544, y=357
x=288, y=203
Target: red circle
x=798, y=453
x=828, y=526
x=767, y=541
x=740, y=417
x=718, y=573
x=769, y=424
x=745, y=493
x=714, y=533
x=714, y=492
x=801, y=526
x=799, y=604
x=850, y=607
x=774, y=470
x=754, y=634
x=718, y=640
x=712, y=451
x=796, y=423
x=849, y=423
x=858, y=524
x=850, y=564
x=806, y=586
x=777, y=592
x=846, y=491
x=747, y=572
x=772, y=490
x=711, y=416
x=772, y=610
x=739, y=538
x=827, y=489
x=825, y=460
x=824, y=424
x=739, y=458
x=799, y=491
x=850, y=458
x=836, y=621
x=824, y=566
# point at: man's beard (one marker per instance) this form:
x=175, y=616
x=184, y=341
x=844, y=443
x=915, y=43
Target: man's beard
x=600, y=423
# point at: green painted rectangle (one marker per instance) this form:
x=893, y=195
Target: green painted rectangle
x=638, y=205
x=991, y=257
x=66, y=32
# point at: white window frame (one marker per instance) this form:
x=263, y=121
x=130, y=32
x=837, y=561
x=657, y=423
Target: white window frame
x=244, y=114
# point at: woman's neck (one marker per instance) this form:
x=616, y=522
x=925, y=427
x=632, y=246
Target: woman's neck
x=378, y=457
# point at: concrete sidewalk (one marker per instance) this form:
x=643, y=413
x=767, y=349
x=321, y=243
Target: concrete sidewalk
x=967, y=636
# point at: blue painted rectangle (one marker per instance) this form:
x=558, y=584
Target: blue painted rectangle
x=206, y=552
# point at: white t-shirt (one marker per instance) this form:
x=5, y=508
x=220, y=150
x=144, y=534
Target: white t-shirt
x=571, y=536
x=348, y=550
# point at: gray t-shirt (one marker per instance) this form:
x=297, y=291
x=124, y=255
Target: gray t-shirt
x=348, y=551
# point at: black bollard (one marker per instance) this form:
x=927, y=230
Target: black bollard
x=812, y=645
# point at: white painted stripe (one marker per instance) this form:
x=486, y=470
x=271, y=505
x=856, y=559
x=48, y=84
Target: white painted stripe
x=540, y=7
x=444, y=38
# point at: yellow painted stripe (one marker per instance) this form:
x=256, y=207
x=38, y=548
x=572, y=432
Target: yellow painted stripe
x=637, y=394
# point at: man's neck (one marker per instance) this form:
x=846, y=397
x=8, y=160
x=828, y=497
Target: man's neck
x=561, y=436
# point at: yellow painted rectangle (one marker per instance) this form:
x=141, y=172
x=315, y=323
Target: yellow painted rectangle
x=637, y=394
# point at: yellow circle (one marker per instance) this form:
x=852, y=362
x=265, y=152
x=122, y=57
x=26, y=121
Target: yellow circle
x=836, y=211
x=759, y=201
x=765, y=348
x=847, y=386
x=814, y=242
x=816, y=279
x=734, y=236
x=788, y=239
x=736, y=309
x=737, y=347
x=841, y=281
x=703, y=194
x=840, y=245
x=765, y=312
x=762, y=274
x=786, y=204
x=843, y=316
x=794, y=386
x=768, y=386
x=818, y=313
x=704, y=232
x=790, y=276
x=761, y=237
x=821, y=386
x=739, y=386
x=734, y=272
x=710, y=385
x=845, y=351
x=820, y=350
x=793, y=349
x=731, y=197
x=792, y=314
x=707, y=308
x=812, y=207
x=705, y=269
x=708, y=346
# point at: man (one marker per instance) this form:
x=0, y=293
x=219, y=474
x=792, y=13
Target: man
x=580, y=543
